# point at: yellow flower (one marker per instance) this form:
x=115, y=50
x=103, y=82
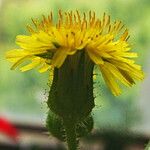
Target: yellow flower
x=105, y=43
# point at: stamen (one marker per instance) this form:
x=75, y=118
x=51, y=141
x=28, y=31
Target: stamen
x=108, y=20
x=70, y=18
x=49, y=20
x=66, y=19
x=44, y=19
x=79, y=19
x=60, y=14
x=35, y=22
x=84, y=16
x=90, y=15
x=51, y=16
x=93, y=20
x=84, y=25
x=97, y=24
x=104, y=17
x=75, y=19
x=60, y=22
x=128, y=38
x=29, y=28
x=124, y=36
x=109, y=28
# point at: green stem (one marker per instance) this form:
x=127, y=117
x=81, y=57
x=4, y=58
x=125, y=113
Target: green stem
x=71, y=136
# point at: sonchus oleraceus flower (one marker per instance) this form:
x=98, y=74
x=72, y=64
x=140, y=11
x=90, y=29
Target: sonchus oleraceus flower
x=71, y=47
x=104, y=42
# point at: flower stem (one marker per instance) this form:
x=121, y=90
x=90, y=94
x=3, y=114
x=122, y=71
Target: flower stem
x=71, y=135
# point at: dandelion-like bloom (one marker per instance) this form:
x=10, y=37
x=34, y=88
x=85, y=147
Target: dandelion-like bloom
x=71, y=47
x=105, y=43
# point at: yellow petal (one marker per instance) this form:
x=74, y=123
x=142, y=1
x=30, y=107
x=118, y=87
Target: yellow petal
x=18, y=62
x=95, y=57
x=129, y=55
x=110, y=81
x=59, y=57
x=132, y=69
x=59, y=35
x=35, y=62
x=38, y=41
x=127, y=76
x=16, y=53
x=116, y=73
x=44, y=68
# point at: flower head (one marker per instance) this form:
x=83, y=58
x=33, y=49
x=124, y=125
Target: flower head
x=49, y=44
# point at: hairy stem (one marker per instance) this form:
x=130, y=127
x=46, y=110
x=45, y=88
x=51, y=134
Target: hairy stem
x=71, y=135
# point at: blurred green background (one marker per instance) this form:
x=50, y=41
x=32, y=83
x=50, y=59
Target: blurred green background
x=23, y=95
